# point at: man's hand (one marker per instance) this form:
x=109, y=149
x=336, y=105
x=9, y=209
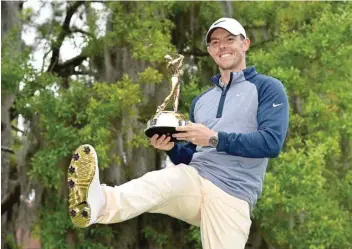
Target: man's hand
x=197, y=134
x=161, y=143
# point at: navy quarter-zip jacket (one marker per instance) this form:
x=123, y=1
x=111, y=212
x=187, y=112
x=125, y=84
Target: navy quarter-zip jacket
x=250, y=115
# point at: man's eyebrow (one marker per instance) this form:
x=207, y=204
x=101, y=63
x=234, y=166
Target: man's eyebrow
x=216, y=38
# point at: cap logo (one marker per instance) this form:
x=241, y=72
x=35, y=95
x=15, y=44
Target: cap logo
x=219, y=22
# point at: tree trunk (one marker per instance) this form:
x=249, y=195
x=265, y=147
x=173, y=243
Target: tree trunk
x=256, y=240
x=9, y=20
x=228, y=8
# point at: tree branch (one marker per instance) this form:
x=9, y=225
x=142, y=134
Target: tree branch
x=44, y=58
x=17, y=129
x=64, y=31
x=82, y=73
x=76, y=61
x=7, y=149
x=67, y=68
x=77, y=30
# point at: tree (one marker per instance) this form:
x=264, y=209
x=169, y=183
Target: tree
x=11, y=74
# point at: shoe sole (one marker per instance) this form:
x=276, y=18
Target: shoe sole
x=80, y=175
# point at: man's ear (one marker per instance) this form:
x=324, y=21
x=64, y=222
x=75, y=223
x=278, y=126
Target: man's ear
x=245, y=45
x=208, y=49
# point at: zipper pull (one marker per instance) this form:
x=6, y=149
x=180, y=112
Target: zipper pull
x=223, y=91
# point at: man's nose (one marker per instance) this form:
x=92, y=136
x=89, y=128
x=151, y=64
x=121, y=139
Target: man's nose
x=222, y=44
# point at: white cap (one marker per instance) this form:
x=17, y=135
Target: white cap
x=230, y=24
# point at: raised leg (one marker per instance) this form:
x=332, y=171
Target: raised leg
x=174, y=191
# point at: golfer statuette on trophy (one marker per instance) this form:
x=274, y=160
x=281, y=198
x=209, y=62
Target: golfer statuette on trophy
x=165, y=122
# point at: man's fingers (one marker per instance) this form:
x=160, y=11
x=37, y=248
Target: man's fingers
x=184, y=128
x=160, y=142
x=189, y=127
x=153, y=139
x=157, y=140
x=160, y=139
x=180, y=134
x=189, y=139
x=163, y=140
x=166, y=140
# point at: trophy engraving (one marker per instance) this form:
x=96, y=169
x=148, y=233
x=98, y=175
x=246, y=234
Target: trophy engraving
x=165, y=122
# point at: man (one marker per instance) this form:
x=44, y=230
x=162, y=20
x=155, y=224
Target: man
x=236, y=126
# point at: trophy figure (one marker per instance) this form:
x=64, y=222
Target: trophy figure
x=165, y=122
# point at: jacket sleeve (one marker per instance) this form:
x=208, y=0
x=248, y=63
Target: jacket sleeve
x=272, y=117
x=183, y=152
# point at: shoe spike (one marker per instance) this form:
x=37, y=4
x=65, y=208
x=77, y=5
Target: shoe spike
x=75, y=157
x=86, y=149
x=70, y=183
x=71, y=169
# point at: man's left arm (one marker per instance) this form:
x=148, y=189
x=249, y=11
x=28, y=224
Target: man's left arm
x=272, y=117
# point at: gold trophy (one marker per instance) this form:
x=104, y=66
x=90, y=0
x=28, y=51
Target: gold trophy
x=165, y=122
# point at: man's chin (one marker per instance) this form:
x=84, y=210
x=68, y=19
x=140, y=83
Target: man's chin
x=230, y=65
x=227, y=67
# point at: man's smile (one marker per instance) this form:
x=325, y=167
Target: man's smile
x=224, y=55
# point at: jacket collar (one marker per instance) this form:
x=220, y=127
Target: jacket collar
x=236, y=77
x=249, y=72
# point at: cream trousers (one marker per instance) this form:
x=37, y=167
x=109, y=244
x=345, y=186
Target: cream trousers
x=179, y=191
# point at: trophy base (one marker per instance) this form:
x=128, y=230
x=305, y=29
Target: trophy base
x=165, y=123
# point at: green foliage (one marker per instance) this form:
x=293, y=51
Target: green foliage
x=188, y=92
x=194, y=237
x=13, y=63
x=159, y=239
x=75, y=116
x=150, y=76
x=56, y=231
x=10, y=242
x=53, y=225
x=299, y=207
x=98, y=236
x=145, y=29
x=295, y=191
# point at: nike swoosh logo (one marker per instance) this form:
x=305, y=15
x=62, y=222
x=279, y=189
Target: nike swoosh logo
x=219, y=22
x=238, y=94
x=276, y=105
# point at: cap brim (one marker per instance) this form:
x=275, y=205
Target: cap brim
x=210, y=31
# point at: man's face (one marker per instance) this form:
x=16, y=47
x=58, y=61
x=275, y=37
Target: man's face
x=227, y=50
